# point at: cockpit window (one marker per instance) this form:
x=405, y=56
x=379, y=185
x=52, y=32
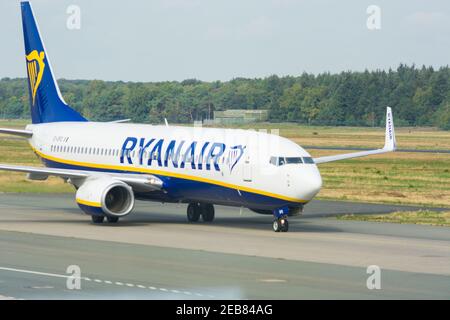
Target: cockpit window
x=308, y=160
x=274, y=161
x=280, y=161
x=294, y=160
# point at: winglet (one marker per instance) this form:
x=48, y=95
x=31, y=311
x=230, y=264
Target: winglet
x=389, y=142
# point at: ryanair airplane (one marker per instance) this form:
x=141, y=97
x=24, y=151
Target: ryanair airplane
x=112, y=164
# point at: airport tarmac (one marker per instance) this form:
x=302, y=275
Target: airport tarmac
x=154, y=253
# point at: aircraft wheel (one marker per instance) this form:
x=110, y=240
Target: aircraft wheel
x=97, y=219
x=280, y=225
x=193, y=212
x=207, y=212
x=276, y=225
x=112, y=219
x=284, y=225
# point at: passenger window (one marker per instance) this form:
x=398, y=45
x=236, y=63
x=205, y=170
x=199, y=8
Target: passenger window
x=281, y=161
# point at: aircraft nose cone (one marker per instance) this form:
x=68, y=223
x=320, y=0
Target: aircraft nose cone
x=313, y=183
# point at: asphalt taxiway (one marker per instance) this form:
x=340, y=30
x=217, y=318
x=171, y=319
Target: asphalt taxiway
x=154, y=253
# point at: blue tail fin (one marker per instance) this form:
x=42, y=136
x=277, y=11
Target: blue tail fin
x=47, y=104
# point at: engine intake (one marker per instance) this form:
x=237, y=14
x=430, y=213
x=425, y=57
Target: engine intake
x=106, y=196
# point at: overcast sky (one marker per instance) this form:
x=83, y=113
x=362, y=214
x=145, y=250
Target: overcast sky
x=159, y=40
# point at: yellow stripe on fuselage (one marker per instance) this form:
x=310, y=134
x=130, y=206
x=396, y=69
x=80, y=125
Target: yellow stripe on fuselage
x=89, y=203
x=168, y=174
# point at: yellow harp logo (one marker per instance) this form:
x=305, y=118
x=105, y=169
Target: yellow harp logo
x=35, y=67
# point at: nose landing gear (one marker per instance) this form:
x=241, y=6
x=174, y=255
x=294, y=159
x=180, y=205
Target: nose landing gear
x=280, y=223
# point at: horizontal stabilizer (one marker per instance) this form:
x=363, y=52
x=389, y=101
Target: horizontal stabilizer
x=120, y=121
x=17, y=132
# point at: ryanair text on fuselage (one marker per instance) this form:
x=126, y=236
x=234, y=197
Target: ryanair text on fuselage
x=197, y=155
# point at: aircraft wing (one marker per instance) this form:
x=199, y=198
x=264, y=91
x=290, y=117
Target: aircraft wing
x=389, y=144
x=136, y=181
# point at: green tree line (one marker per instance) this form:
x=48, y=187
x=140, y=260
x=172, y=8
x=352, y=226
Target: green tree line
x=419, y=97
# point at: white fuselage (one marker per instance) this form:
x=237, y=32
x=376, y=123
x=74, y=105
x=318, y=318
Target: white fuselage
x=236, y=163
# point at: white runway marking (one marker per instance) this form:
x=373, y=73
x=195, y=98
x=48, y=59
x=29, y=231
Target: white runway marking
x=35, y=272
x=131, y=285
x=273, y=280
x=8, y=298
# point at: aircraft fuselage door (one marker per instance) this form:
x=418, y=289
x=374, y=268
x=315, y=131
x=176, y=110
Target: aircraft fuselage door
x=247, y=170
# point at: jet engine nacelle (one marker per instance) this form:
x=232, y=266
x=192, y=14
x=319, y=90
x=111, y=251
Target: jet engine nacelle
x=105, y=196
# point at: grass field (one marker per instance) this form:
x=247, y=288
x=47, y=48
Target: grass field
x=403, y=178
x=424, y=217
x=407, y=138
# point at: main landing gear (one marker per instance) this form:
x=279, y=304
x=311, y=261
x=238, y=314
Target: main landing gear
x=280, y=223
x=97, y=219
x=205, y=210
